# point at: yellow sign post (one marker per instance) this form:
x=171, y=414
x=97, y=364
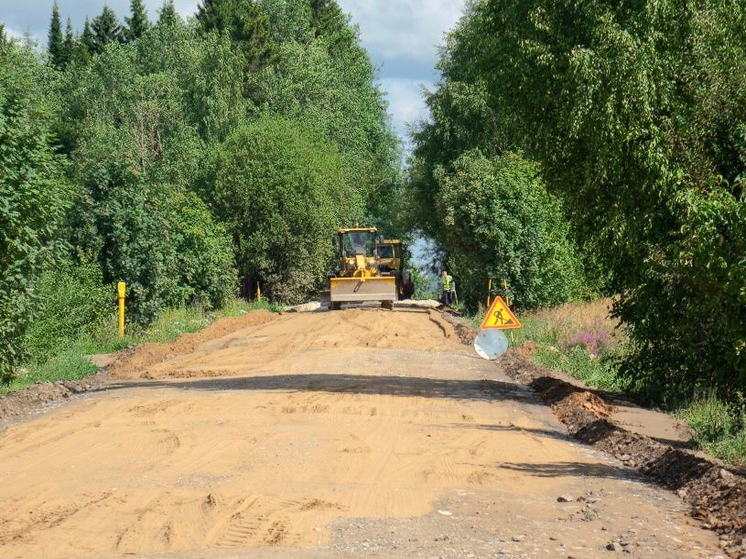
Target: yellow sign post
x=499, y=317
x=121, y=291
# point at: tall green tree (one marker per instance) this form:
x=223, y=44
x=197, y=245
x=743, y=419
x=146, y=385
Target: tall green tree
x=106, y=29
x=282, y=191
x=167, y=14
x=244, y=21
x=336, y=94
x=137, y=23
x=55, y=39
x=84, y=45
x=483, y=202
x=87, y=37
x=68, y=46
x=496, y=220
x=332, y=24
x=637, y=113
x=131, y=124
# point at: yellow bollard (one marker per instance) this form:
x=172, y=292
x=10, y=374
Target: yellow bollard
x=489, y=293
x=121, y=290
x=258, y=292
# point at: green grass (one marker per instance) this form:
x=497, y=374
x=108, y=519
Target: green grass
x=72, y=363
x=174, y=322
x=580, y=340
x=720, y=428
x=596, y=371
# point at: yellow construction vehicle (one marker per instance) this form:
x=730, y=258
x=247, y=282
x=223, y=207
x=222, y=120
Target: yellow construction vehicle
x=389, y=255
x=391, y=262
x=358, y=277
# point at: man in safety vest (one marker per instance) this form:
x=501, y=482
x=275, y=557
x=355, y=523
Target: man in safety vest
x=447, y=289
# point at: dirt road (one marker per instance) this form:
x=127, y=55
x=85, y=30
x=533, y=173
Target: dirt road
x=360, y=433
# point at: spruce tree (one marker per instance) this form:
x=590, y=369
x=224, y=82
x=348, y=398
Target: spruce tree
x=3, y=37
x=87, y=39
x=216, y=14
x=106, y=29
x=167, y=15
x=246, y=24
x=138, y=24
x=55, y=40
x=84, y=45
x=331, y=23
x=68, y=46
x=327, y=17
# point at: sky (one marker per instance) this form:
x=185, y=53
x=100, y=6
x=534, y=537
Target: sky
x=401, y=36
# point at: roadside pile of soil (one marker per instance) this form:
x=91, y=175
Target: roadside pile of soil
x=149, y=354
x=465, y=333
x=716, y=495
x=43, y=393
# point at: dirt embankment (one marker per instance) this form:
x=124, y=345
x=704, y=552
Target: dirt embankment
x=128, y=360
x=145, y=355
x=716, y=495
x=40, y=394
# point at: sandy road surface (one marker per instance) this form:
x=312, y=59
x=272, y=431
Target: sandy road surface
x=360, y=433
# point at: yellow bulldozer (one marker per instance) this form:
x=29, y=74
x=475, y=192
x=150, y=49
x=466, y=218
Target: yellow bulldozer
x=358, y=277
x=391, y=263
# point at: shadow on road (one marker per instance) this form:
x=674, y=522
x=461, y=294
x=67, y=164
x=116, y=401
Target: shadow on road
x=575, y=469
x=484, y=390
x=528, y=430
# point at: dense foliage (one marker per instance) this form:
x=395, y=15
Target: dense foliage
x=135, y=154
x=281, y=189
x=72, y=298
x=497, y=221
x=485, y=204
x=637, y=114
x=33, y=195
x=186, y=159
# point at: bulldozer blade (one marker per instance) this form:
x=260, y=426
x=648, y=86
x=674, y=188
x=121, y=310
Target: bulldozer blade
x=372, y=289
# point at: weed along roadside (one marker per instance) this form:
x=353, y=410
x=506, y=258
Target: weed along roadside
x=583, y=342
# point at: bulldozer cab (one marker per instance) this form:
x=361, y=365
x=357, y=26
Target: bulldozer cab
x=389, y=255
x=388, y=250
x=356, y=242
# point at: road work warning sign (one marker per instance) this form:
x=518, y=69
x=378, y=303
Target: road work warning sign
x=499, y=317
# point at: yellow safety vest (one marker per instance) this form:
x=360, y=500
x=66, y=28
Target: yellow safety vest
x=447, y=283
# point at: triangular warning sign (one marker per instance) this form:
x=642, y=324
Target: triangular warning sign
x=499, y=316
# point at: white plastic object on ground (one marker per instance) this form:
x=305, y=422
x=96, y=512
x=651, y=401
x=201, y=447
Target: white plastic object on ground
x=491, y=344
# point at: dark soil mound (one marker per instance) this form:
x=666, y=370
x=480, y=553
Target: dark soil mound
x=716, y=495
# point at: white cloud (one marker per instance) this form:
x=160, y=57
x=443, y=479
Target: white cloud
x=403, y=36
x=396, y=29
x=406, y=105
x=13, y=34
